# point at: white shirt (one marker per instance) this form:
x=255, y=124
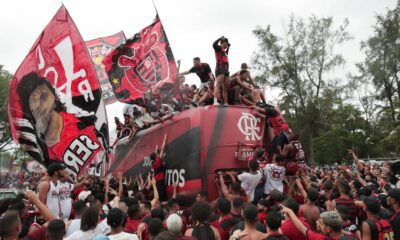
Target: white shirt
x=65, y=199
x=74, y=226
x=53, y=198
x=123, y=236
x=79, y=235
x=249, y=183
x=273, y=178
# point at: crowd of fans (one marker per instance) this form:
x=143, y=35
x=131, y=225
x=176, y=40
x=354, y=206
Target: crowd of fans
x=221, y=88
x=359, y=201
x=277, y=197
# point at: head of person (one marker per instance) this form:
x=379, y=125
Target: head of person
x=259, y=153
x=243, y=74
x=153, y=156
x=224, y=206
x=250, y=214
x=145, y=207
x=234, y=188
x=280, y=160
x=174, y=224
x=312, y=195
x=202, y=196
x=292, y=204
x=56, y=230
x=154, y=227
x=134, y=211
x=344, y=189
x=79, y=207
x=172, y=205
x=158, y=213
x=38, y=100
x=201, y=211
x=237, y=204
x=274, y=220
x=243, y=66
x=10, y=225
x=196, y=62
x=393, y=197
x=90, y=219
x=57, y=170
x=224, y=43
x=372, y=205
x=115, y=218
x=253, y=165
x=116, y=119
x=329, y=222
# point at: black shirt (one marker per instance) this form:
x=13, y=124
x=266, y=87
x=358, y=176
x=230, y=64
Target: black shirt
x=395, y=222
x=203, y=71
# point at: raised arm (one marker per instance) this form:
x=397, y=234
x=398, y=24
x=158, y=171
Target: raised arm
x=33, y=198
x=120, y=184
x=296, y=221
x=163, y=145
x=216, y=46
x=156, y=199
x=224, y=188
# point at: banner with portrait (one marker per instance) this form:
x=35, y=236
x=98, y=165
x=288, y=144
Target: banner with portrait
x=56, y=111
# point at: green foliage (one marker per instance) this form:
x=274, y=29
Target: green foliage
x=298, y=63
x=5, y=135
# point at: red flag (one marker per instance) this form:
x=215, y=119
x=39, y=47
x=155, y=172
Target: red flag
x=98, y=49
x=56, y=111
x=145, y=62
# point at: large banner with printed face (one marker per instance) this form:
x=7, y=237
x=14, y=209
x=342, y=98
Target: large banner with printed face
x=144, y=63
x=98, y=49
x=56, y=110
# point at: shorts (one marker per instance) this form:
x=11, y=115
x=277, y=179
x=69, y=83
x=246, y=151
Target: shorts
x=221, y=71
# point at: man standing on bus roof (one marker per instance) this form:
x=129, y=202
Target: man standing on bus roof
x=158, y=169
x=202, y=70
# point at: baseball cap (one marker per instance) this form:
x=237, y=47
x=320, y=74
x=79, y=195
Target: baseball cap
x=395, y=194
x=373, y=205
x=84, y=195
x=174, y=223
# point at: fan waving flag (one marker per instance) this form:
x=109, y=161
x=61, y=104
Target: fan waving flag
x=56, y=111
x=98, y=49
x=145, y=62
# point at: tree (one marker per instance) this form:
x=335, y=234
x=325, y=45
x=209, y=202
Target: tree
x=5, y=134
x=298, y=63
x=381, y=66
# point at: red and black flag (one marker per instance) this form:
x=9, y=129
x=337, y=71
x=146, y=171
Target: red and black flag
x=98, y=49
x=145, y=62
x=55, y=106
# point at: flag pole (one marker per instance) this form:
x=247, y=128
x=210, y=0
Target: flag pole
x=155, y=7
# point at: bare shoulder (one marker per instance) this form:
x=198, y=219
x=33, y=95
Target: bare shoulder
x=189, y=232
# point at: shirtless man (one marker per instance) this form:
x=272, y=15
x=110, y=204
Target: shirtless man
x=250, y=215
x=309, y=211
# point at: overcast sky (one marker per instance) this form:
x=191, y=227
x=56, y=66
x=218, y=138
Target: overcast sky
x=191, y=26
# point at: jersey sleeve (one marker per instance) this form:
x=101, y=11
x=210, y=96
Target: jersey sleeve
x=208, y=69
x=192, y=70
x=310, y=235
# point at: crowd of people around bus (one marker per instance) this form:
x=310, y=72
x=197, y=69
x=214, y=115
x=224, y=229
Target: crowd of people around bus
x=277, y=197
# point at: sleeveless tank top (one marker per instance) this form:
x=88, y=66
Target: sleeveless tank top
x=53, y=198
x=203, y=232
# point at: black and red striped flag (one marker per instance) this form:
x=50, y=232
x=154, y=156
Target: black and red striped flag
x=145, y=62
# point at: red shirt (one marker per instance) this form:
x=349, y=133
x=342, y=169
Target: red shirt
x=131, y=226
x=290, y=231
x=159, y=171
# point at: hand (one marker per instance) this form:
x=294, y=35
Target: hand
x=175, y=185
x=153, y=181
x=31, y=196
x=120, y=176
x=179, y=62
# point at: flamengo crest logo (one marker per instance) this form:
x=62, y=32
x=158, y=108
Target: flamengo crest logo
x=247, y=124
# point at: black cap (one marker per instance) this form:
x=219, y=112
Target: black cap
x=395, y=194
x=373, y=205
